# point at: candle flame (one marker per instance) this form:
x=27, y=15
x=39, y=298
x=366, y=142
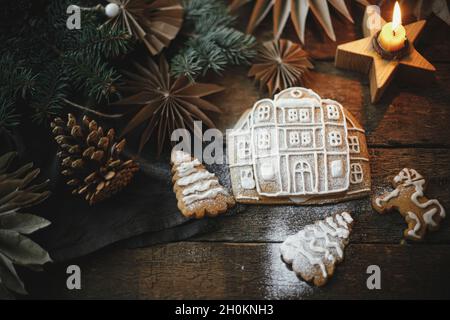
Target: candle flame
x=397, y=18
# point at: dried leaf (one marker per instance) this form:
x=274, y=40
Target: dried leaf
x=23, y=223
x=21, y=250
x=9, y=277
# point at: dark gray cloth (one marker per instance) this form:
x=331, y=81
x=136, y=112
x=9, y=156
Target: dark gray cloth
x=145, y=212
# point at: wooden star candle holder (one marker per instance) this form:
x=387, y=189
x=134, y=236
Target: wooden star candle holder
x=361, y=56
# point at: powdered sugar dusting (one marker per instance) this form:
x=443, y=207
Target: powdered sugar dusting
x=317, y=247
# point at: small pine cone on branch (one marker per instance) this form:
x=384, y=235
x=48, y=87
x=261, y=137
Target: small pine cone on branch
x=91, y=159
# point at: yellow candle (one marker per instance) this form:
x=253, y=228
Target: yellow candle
x=393, y=35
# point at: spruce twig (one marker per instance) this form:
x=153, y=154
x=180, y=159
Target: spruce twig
x=213, y=44
x=97, y=113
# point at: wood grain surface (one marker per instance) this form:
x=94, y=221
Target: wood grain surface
x=409, y=127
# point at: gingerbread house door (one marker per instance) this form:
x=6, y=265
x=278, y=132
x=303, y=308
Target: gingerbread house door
x=303, y=178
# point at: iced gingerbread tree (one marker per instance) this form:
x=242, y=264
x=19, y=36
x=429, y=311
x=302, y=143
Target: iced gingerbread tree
x=315, y=250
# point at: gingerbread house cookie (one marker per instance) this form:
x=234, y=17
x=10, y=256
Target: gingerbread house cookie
x=298, y=149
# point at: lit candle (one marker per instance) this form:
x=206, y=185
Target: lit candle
x=393, y=35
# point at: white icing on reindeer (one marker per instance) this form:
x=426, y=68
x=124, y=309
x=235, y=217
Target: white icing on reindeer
x=415, y=199
x=392, y=195
x=417, y=226
x=412, y=177
x=406, y=176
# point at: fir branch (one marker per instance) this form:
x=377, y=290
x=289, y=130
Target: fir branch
x=199, y=9
x=42, y=62
x=30, y=44
x=8, y=116
x=89, y=110
x=211, y=56
x=213, y=43
x=106, y=42
x=51, y=90
x=93, y=76
x=15, y=78
x=211, y=21
x=236, y=46
x=188, y=63
x=56, y=13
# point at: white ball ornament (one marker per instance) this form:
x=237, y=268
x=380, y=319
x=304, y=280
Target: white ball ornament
x=112, y=10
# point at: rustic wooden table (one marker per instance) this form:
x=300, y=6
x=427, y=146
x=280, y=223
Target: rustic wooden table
x=408, y=128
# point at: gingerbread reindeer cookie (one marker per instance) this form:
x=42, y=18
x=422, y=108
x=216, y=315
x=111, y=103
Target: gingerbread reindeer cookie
x=420, y=213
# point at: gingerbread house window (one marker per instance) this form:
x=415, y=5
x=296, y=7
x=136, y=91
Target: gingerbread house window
x=263, y=113
x=294, y=138
x=243, y=150
x=337, y=169
x=356, y=173
x=306, y=138
x=335, y=139
x=267, y=171
x=247, y=180
x=304, y=115
x=333, y=112
x=353, y=144
x=292, y=115
x=264, y=140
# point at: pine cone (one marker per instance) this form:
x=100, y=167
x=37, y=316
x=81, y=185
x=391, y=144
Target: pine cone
x=91, y=160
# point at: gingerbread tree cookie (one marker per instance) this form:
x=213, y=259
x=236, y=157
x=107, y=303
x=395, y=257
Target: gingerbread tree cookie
x=316, y=249
x=198, y=191
x=420, y=213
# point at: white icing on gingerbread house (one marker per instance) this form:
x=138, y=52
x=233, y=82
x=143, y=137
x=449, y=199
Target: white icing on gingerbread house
x=297, y=147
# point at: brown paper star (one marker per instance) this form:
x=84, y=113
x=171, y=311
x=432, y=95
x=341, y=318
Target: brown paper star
x=165, y=103
x=155, y=23
x=280, y=64
x=360, y=56
x=298, y=11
